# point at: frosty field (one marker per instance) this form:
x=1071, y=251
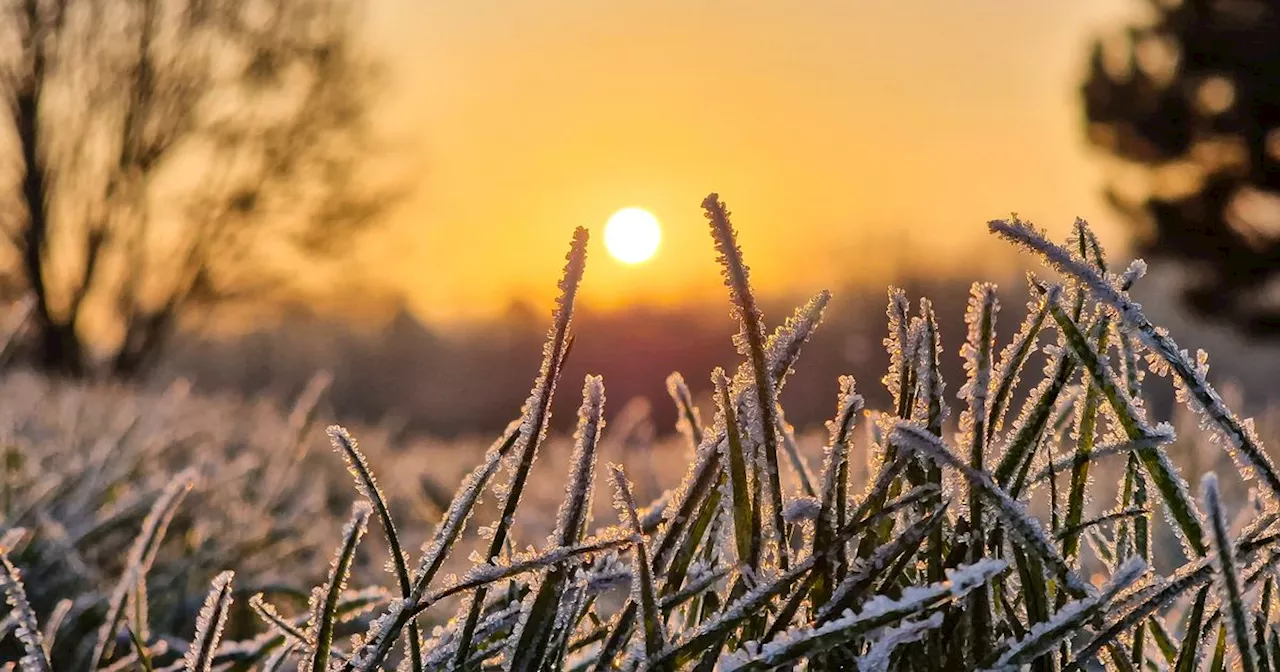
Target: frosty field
x=1031, y=516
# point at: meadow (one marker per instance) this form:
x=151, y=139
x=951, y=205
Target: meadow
x=1030, y=515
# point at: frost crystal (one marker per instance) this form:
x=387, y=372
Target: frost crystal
x=801, y=509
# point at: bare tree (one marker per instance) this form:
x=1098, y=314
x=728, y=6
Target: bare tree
x=169, y=156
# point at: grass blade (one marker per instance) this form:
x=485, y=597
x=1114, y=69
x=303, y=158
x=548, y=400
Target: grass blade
x=835, y=466
x=977, y=353
x=1171, y=485
x=1189, y=654
x=740, y=500
x=536, y=414
x=751, y=343
x=34, y=659
x=1019, y=522
x=1245, y=446
x=805, y=642
x=367, y=484
x=209, y=626
x=643, y=591
x=324, y=607
x=141, y=555
x=539, y=615
x=1228, y=579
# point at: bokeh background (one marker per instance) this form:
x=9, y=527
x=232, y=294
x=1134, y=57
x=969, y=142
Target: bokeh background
x=385, y=191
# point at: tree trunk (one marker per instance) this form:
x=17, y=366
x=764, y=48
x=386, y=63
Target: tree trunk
x=59, y=349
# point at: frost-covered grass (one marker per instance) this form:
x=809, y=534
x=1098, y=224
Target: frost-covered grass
x=1048, y=524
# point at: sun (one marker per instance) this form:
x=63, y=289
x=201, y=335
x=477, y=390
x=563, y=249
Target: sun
x=632, y=235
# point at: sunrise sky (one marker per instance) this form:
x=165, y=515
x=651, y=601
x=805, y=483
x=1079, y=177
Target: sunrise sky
x=853, y=140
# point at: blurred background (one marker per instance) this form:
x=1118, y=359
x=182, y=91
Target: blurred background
x=244, y=193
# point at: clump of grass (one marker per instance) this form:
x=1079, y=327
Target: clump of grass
x=737, y=569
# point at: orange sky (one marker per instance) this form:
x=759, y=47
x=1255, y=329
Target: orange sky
x=850, y=138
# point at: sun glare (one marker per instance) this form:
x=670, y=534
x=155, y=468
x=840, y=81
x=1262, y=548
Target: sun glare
x=632, y=235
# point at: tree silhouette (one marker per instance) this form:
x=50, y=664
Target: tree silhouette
x=1189, y=102
x=169, y=156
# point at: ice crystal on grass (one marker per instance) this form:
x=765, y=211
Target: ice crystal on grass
x=209, y=625
x=24, y=618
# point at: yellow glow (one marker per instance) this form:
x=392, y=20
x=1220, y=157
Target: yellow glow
x=632, y=235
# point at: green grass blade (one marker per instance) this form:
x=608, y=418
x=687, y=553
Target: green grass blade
x=1260, y=619
x=536, y=624
x=140, y=650
x=1086, y=437
x=897, y=379
x=688, y=421
x=536, y=415
x=643, y=591
x=1012, y=360
x=1171, y=485
x=977, y=353
x=1219, y=662
x=1229, y=580
x=1243, y=441
x=324, y=607
x=1019, y=522
x=1189, y=654
x=834, y=464
x=740, y=500
x=752, y=344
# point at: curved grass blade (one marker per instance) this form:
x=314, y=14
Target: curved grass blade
x=324, y=608
x=1171, y=485
x=271, y=617
x=367, y=484
x=1246, y=447
x=141, y=556
x=35, y=658
x=805, y=642
x=209, y=625
x=1045, y=637
x=687, y=420
x=1019, y=522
